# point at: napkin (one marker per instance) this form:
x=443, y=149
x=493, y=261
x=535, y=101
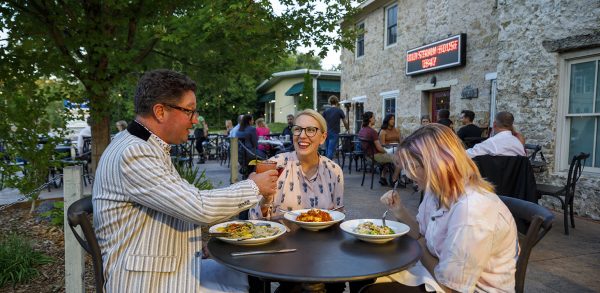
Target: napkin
x=415, y=276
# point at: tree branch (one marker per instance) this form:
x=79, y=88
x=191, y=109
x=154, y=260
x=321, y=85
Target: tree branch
x=176, y=59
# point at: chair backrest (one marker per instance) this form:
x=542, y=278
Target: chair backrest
x=533, y=222
x=509, y=174
x=245, y=156
x=575, y=170
x=77, y=215
x=368, y=147
x=346, y=144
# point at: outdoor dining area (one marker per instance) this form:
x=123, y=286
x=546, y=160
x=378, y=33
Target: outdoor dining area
x=320, y=256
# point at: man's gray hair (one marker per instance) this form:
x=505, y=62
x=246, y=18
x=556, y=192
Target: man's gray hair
x=504, y=119
x=160, y=86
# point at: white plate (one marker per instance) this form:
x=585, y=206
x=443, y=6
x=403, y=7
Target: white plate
x=252, y=241
x=314, y=226
x=399, y=228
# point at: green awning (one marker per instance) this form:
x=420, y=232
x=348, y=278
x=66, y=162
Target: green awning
x=265, y=98
x=295, y=89
x=328, y=86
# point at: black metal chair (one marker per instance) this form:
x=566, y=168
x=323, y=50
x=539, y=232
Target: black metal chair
x=533, y=222
x=77, y=215
x=567, y=191
x=538, y=165
x=369, y=160
x=245, y=156
x=345, y=149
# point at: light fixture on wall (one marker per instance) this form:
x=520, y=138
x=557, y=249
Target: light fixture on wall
x=433, y=80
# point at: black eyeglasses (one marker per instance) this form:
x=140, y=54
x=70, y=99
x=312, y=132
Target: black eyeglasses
x=310, y=130
x=189, y=112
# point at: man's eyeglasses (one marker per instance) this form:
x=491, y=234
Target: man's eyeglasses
x=189, y=112
x=310, y=130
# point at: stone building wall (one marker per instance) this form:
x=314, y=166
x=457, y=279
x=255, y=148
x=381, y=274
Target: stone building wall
x=503, y=36
x=419, y=23
x=528, y=78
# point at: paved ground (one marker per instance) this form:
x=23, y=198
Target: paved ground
x=559, y=263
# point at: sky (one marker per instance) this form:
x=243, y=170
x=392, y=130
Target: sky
x=333, y=57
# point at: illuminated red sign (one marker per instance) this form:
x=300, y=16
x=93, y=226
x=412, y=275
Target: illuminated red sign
x=442, y=54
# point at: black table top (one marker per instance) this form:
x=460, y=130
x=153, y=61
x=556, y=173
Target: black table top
x=329, y=255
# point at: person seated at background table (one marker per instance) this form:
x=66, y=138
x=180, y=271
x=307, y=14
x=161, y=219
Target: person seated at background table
x=234, y=130
x=469, y=129
x=287, y=133
x=84, y=133
x=425, y=120
x=263, y=130
x=444, y=118
x=121, y=125
x=389, y=134
x=228, y=127
x=379, y=153
x=505, y=142
x=248, y=133
x=467, y=234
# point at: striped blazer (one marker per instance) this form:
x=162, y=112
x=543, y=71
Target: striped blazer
x=147, y=217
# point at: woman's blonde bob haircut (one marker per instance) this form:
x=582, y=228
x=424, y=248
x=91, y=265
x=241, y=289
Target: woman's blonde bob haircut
x=314, y=114
x=447, y=169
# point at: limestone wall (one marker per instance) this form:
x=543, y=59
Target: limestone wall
x=528, y=78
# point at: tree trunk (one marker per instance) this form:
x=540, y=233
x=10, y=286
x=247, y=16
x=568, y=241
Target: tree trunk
x=100, y=138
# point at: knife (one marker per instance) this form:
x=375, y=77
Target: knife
x=263, y=252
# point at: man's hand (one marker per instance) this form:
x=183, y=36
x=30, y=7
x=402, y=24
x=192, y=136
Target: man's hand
x=266, y=182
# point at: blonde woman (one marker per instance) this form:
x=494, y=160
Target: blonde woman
x=468, y=236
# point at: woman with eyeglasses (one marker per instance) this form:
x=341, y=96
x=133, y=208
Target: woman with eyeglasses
x=308, y=180
x=467, y=234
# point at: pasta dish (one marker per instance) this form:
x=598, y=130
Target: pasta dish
x=248, y=230
x=314, y=215
x=371, y=229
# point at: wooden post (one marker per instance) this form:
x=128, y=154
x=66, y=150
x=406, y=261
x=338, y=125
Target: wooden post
x=233, y=159
x=74, y=253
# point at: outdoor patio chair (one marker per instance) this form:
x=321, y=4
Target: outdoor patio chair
x=567, y=191
x=374, y=166
x=509, y=174
x=533, y=222
x=538, y=165
x=77, y=215
x=345, y=149
x=245, y=156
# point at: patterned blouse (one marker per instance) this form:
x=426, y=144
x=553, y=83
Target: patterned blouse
x=324, y=190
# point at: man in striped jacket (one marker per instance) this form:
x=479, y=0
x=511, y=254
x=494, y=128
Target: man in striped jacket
x=146, y=216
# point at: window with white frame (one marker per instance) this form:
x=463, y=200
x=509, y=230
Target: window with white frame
x=582, y=111
x=360, y=40
x=389, y=104
x=391, y=24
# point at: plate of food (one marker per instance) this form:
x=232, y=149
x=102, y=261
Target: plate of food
x=314, y=219
x=372, y=230
x=251, y=232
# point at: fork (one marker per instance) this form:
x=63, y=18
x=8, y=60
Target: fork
x=386, y=211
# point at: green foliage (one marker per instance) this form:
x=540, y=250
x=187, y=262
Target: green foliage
x=24, y=124
x=190, y=174
x=298, y=61
x=305, y=101
x=277, y=127
x=227, y=47
x=18, y=260
x=56, y=214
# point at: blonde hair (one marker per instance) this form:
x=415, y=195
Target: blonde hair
x=260, y=122
x=314, y=114
x=121, y=125
x=446, y=167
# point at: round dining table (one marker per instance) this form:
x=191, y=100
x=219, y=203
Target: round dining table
x=324, y=256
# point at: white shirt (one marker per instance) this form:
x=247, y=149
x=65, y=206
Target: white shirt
x=234, y=130
x=86, y=131
x=475, y=241
x=501, y=144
